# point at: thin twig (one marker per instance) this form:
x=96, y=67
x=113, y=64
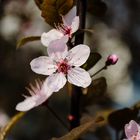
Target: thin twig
x=5, y=130
x=87, y=30
x=76, y=91
x=76, y=133
x=103, y=68
x=57, y=117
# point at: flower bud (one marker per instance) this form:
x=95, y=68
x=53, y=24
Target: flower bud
x=112, y=59
x=71, y=117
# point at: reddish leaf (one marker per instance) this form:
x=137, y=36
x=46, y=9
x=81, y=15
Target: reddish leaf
x=119, y=118
x=51, y=10
x=25, y=40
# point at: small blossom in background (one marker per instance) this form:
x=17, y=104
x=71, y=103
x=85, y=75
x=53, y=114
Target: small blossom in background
x=4, y=118
x=39, y=94
x=112, y=59
x=68, y=27
x=62, y=63
x=132, y=131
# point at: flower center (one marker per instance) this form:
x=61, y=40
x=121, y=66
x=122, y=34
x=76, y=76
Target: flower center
x=63, y=67
x=66, y=30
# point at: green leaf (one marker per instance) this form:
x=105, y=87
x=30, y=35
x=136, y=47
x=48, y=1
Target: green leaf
x=92, y=60
x=51, y=10
x=98, y=86
x=75, y=133
x=25, y=40
x=94, y=93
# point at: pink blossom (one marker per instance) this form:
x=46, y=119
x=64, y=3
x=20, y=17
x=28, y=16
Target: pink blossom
x=112, y=59
x=132, y=131
x=62, y=63
x=68, y=27
x=39, y=94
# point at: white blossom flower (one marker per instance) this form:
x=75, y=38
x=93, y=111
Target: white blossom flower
x=132, y=131
x=68, y=27
x=39, y=94
x=62, y=63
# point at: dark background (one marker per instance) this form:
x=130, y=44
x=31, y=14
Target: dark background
x=116, y=25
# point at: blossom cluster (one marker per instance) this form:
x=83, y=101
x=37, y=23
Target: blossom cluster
x=61, y=64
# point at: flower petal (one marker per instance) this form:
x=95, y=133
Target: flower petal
x=26, y=105
x=78, y=55
x=42, y=98
x=40, y=95
x=43, y=65
x=31, y=102
x=53, y=34
x=75, y=24
x=58, y=49
x=56, y=81
x=44, y=93
x=67, y=20
x=79, y=77
x=131, y=129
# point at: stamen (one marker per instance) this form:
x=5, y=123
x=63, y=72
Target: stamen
x=66, y=30
x=33, y=89
x=63, y=67
x=30, y=91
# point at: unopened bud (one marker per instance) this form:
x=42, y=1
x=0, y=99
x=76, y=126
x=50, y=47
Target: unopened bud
x=71, y=117
x=112, y=59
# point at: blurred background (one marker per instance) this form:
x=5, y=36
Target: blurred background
x=116, y=29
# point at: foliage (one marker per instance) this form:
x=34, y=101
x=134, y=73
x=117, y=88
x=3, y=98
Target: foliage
x=51, y=10
x=25, y=40
x=92, y=60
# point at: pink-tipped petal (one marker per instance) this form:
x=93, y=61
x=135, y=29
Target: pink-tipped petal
x=52, y=35
x=75, y=24
x=131, y=129
x=43, y=65
x=78, y=55
x=58, y=49
x=69, y=16
x=79, y=77
x=56, y=81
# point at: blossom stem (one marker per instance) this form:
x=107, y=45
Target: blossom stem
x=81, y=11
x=76, y=91
x=57, y=117
x=84, y=30
x=87, y=30
x=5, y=130
x=103, y=68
